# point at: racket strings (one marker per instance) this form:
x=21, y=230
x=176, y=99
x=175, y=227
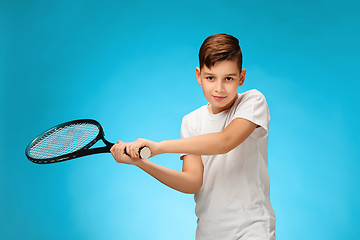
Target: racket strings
x=64, y=140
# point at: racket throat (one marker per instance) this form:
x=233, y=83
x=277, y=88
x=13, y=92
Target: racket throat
x=98, y=150
x=105, y=149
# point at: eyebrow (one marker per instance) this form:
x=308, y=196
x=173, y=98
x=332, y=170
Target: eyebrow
x=230, y=74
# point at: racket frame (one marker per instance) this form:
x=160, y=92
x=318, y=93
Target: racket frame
x=84, y=151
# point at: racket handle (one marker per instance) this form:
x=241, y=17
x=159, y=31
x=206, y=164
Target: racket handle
x=144, y=152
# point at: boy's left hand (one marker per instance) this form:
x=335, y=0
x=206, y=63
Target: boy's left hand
x=133, y=148
x=118, y=152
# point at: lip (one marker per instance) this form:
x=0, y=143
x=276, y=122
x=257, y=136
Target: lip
x=218, y=98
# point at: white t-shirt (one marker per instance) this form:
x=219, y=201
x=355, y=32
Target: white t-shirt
x=234, y=200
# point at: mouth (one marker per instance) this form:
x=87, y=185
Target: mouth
x=218, y=98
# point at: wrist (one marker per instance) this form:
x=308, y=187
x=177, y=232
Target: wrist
x=139, y=162
x=161, y=147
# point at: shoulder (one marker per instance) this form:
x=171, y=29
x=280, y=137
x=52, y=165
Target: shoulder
x=251, y=105
x=196, y=114
x=251, y=97
x=190, y=122
x=252, y=94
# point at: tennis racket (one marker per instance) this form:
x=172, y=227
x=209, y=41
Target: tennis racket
x=70, y=140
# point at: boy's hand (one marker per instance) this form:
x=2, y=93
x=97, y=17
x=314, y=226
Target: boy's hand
x=118, y=152
x=133, y=148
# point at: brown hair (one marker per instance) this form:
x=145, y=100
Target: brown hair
x=220, y=47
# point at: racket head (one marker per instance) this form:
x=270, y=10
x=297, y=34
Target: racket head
x=64, y=141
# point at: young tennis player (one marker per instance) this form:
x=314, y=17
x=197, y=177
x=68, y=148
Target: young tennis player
x=223, y=146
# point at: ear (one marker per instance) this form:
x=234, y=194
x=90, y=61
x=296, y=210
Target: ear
x=242, y=77
x=198, y=75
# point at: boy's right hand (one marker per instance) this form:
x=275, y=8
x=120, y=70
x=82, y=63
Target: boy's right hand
x=118, y=152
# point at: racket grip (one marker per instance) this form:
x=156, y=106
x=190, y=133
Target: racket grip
x=144, y=152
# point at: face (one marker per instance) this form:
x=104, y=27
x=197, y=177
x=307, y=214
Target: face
x=220, y=84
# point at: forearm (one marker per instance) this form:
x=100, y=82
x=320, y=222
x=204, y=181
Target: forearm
x=207, y=144
x=181, y=181
x=212, y=143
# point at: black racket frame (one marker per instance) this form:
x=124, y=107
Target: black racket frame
x=85, y=151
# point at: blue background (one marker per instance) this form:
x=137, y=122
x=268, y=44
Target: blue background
x=131, y=66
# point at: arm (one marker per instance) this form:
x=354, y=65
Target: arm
x=187, y=181
x=212, y=143
x=207, y=144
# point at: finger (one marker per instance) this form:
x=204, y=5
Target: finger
x=127, y=150
x=122, y=149
x=142, y=144
x=132, y=150
x=137, y=150
x=138, y=146
x=114, y=152
x=126, y=153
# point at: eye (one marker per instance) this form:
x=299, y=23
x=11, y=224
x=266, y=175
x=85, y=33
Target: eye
x=210, y=78
x=228, y=79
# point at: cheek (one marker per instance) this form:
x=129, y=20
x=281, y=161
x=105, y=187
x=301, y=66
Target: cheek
x=206, y=87
x=234, y=85
x=232, y=89
x=207, y=92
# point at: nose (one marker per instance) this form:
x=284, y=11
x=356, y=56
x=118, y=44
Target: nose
x=219, y=87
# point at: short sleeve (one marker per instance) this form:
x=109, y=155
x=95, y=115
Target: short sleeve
x=253, y=107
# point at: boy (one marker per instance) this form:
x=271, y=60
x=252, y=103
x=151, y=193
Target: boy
x=223, y=146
